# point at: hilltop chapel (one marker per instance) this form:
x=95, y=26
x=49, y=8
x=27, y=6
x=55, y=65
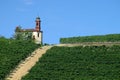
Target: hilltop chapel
x=36, y=33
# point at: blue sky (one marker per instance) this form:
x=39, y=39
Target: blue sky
x=61, y=18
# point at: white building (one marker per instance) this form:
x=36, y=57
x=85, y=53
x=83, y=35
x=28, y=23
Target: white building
x=37, y=34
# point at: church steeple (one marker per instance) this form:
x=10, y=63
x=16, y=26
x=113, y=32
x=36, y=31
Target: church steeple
x=38, y=24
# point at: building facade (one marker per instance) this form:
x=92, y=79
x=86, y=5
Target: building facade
x=35, y=34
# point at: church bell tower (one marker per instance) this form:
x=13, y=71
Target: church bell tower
x=38, y=34
x=38, y=24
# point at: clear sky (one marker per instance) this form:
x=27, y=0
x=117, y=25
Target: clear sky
x=61, y=18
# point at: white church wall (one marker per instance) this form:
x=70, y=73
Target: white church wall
x=38, y=37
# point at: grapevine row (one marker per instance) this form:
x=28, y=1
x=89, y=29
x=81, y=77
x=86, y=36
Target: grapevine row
x=102, y=38
x=78, y=63
x=11, y=53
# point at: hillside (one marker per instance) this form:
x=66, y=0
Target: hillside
x=77, y=63
x=24, y=67
x=99, y=38
x=12, y=52
x=95, y=58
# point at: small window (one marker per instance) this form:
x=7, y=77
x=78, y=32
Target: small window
x=34, y=37
x=38, y=34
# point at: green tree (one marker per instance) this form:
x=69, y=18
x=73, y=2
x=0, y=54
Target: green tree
x=22, y=35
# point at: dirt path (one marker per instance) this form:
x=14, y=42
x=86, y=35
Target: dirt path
x=26, y=65
x=90, y=44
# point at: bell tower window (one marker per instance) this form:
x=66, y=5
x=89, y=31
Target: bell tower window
x=37, y=24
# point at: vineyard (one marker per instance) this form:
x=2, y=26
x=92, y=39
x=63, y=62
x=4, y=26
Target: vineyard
x=78, y=63
x=12, y=52
x=100, y=38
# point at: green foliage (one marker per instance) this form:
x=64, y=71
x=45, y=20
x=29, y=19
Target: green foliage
x=23, y=36
x=2, y=37
x=11, y=53
x=104, y=38
x=18, y=29
x=18, y=36
x=46, y=44
x=78, y=63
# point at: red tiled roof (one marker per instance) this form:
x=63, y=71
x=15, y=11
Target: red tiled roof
x=28, y=30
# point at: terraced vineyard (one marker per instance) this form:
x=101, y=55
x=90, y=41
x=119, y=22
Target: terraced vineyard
x=11, y=53
x=78, y=63
x=99, y=38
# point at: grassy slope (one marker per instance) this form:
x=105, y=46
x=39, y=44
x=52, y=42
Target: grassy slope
x=78, y=63
x=100, y=38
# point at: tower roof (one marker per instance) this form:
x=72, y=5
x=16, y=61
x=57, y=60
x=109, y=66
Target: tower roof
x=38, y=18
